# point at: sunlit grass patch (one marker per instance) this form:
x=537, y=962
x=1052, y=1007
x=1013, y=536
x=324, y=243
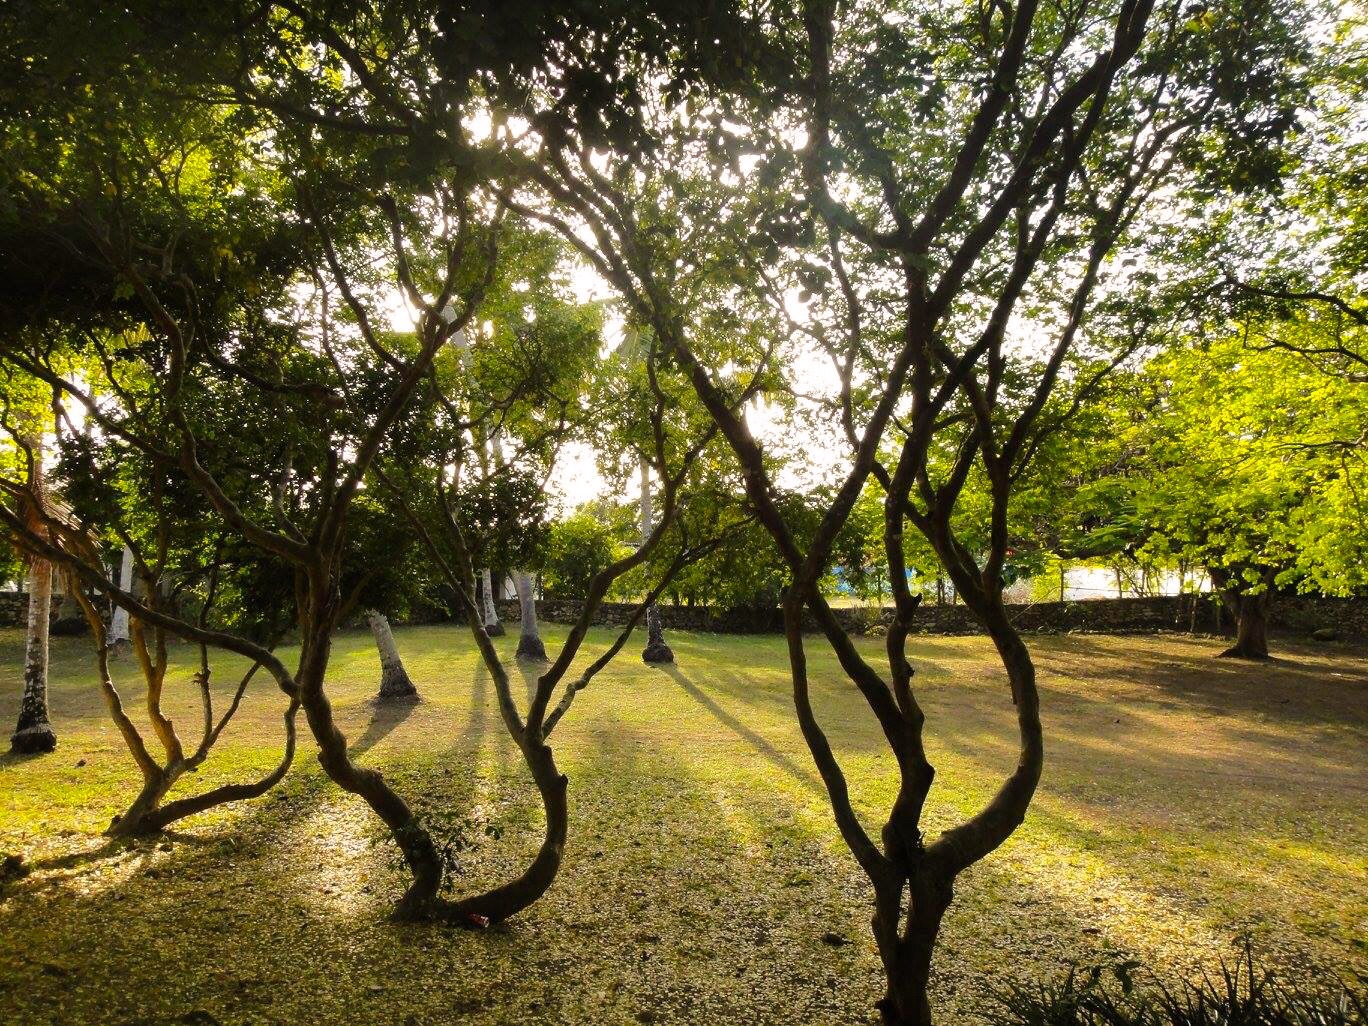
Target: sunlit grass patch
x=1186, y=803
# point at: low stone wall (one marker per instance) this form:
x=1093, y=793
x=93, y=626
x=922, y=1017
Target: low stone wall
x=14, y=608
x=1294, y=615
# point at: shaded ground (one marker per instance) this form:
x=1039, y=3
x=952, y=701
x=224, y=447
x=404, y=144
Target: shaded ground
x=1187, y=800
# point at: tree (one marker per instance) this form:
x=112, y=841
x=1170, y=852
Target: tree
x=34, y=734
x=394, y=679
x=1244, y=473
x=936, y=224
x=206, y=263
x=578, y=549
x=656, y=651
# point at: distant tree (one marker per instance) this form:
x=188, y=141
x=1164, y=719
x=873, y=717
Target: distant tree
x=1245, y=473
x=26, y=424
x=578, y=549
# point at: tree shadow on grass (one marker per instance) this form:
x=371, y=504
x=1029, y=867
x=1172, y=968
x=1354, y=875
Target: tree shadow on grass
x=688, y=892
x=773, y=755
x=1302, y=685
x=385, y=716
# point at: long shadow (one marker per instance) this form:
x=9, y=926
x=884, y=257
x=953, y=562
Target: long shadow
x=1298, y=686
x=777, y=758
x=11, y=758
x=386, y=716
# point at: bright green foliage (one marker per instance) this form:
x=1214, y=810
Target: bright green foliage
x=578, y=547
x=1238, y=460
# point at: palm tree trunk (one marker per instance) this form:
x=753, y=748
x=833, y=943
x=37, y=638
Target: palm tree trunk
x=118, y=623
x=529, y=638
x=394, y=679
x=656, y=651
x=34, y=732
x=491, y=615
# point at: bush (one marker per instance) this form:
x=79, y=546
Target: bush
x=1240, y=993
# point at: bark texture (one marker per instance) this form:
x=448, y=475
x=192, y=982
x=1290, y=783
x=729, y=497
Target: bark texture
x=1251, y=628
x=656, y=651
x=1250, y=611
x=394, y=679
x=34, y=732
x=529, y=637
x=490, y=613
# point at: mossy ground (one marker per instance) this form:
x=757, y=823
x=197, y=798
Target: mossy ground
x=1187, y=801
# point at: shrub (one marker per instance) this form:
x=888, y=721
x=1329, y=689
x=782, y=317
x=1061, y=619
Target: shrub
x=1242, y=992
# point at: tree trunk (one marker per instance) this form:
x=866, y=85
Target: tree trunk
x=135, y=821
x=394, y=679
x=529, y=638
x=508, y=900
x=414, y=842
x=656, y=651
x=1251, y=627
x=491, y=614
x=907, y=953
x=34, y=732
x=118, y=623
x=69, y=621
x=1249, y=610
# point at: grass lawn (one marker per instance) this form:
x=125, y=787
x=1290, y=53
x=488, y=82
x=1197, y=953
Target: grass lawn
x=1187, y=801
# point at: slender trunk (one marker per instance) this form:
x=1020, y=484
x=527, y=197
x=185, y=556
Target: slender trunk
x=394, y=679
x=34, y=732
x=508, y=900
x=907, y=953
x=157, y=817
x=414, y=842
x=656, y=650
x=491, y=615
x=529, y=638
x=118, y=623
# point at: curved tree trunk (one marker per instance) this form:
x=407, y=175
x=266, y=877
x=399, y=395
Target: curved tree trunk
x=508, y=900
x=529, y=637
x=394, y=679
x=656, y=650
x=491, y=614
x=34, y=732
x=414, y=842
x=145, y=818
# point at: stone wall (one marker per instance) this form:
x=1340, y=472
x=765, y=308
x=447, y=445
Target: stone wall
x=14, y=608
x=1294, y=615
